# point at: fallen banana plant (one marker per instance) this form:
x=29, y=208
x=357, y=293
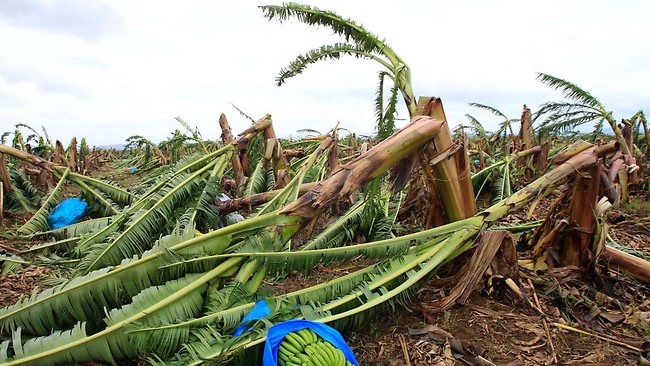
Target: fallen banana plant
x=397, y=278
x=110, y=287
x=182, y=275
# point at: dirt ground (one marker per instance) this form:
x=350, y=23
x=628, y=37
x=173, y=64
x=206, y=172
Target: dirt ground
x=485, y=331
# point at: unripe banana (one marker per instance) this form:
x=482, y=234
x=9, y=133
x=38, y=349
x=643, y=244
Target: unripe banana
x=308, y=335
x=293, y=337
x=296, y=359
x=341, y=361
x=316, y=361
x=294, y=340
x=337, y=355
x=325, y=351
x=315, y=338
x=309, y=350
x=315, y=356
x=304, y=358
x=289, y=348
x=323, y=357
x=282, y=356
x=300, y=334
x=341, y=357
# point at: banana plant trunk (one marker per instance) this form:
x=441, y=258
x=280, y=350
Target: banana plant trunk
x=58, y=157
x=541, y=160
x=273, y=153
x=526, y=131
x=452, y=180
x=646, y=132
x=576, y=249
x=638, y=268
x=633, y=176
x=4, y=175
x=574, y=226
x=73, y=155
x=228, y=138
x=29, y=158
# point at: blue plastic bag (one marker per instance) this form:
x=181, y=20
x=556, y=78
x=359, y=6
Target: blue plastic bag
x=277, y=333
x=259, y=311
x=67, y=212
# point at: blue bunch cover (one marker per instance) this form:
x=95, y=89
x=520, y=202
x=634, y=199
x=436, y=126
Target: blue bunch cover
x=277, y=333
x=67, y=212
x=259, y=311
x=133, y=170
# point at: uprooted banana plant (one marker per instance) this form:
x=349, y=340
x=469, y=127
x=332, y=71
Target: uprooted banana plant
x=181, y=297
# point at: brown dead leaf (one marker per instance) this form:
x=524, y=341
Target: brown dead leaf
x=593, y=312
x=531, y=342
x=639, y=317
x=433, y=332
x=447, y=357
x=588, y=359
x=613, y=317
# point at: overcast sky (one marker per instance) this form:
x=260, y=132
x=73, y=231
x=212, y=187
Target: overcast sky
x=107, y=70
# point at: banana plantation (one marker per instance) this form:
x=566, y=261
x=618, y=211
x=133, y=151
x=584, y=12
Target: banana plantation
x=534, y=230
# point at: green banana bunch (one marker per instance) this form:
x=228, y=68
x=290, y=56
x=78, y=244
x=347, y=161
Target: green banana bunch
x=306, y=348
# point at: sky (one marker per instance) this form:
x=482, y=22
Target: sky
x=106, y=70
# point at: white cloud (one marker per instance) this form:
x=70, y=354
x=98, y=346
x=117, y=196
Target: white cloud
x=85, y=19
x=145, y=63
